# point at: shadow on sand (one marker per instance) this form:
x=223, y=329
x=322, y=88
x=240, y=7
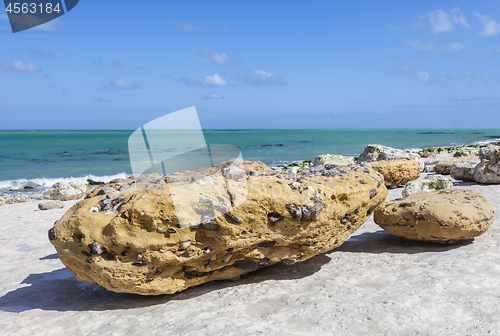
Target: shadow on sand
x=383, y=242
x=59, y=290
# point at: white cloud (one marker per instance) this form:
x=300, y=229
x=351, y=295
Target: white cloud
x=214, y=80
x=20, y=67
x=121, y=83
x=4, y=17
x=454, y=46
x=427, y=77
x=423, y=76
x=417, y=44
x=213, y=95
x=490, y=26
x=260, y=77
x=183, y=25
x=442, y=21
x=458, y=17
x=208, y=80
x=223, y=59
x=208, y=55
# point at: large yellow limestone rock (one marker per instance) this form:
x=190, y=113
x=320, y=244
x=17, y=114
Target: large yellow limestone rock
x=444, y=216
x=396, y=173
x=163, y=240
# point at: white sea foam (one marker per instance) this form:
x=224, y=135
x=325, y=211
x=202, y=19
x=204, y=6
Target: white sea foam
x=414, y=149
x=486, y=142
x=457, y=144
x=39, y=184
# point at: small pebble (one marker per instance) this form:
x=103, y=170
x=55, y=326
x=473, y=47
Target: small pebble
x=49, y=205
x=171, y=230
x=185, y=245
x=207, y=249
x=144, y=197
x=160, y=230
x=94, y=209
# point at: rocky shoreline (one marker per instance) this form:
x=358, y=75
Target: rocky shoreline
x=443, y=157
x=456, y=161
x=425, y=262
x=224, y=221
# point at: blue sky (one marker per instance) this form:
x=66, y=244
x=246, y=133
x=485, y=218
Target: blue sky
x=257, y=64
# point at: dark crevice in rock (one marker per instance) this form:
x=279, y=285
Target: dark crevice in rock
x=251, y=265
x=52, y=234
x=197, y=274
x=267, y=244
x=210, y=225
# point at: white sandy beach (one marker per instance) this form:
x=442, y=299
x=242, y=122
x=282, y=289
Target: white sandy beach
x=374, y=284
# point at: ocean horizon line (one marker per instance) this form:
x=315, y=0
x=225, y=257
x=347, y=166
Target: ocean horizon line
x=251, y=129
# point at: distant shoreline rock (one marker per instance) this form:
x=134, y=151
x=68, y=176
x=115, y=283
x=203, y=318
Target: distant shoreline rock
x=63, y=191
x=488, y=170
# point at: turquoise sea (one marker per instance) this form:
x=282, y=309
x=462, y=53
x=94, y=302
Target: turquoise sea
x=41, y=158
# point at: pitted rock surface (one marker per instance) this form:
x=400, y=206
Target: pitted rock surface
x=383, y=153
x=396, y=173
x=140, y=247
x=445, y=166
x=444, y=216
x=464, y=171
x=427, y=184
x=488, y=171
x=332, y=159
x=200, y=176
